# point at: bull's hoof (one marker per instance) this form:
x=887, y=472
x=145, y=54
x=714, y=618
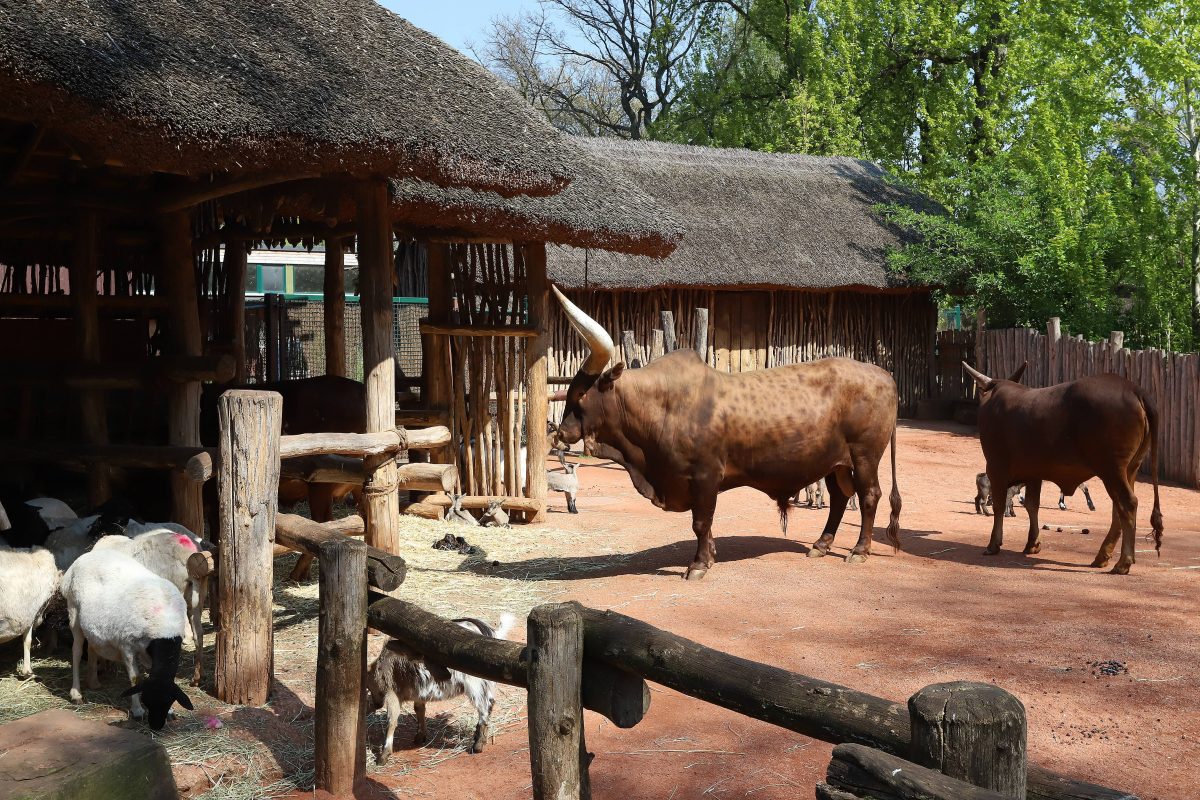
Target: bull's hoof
x=816, y=552
x=1033, y=550
x=856, y=558
x=1120, y=569
x=992, y=551
x=696, y=573
x=1099, y=563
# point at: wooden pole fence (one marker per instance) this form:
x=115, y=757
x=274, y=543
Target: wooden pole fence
x=857, y=772
x=557, y=753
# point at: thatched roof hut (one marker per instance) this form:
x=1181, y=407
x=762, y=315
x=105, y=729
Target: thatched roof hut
x=290, y=87
x=751, y=220
x=786, y=253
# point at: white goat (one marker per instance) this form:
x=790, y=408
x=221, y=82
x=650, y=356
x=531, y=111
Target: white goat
x=401, y=675
x=127, y=613
x=566, y=482
x=28, y=579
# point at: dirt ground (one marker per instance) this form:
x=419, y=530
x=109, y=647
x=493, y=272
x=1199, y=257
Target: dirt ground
x=1046, y=627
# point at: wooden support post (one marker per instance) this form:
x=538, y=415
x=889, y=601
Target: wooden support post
x=84, y=264
x=235, y=311
x=656, y=344
x=1053, y=339
x=183, y=426
x=556, y=748
x=538, y=408
x=435, y=349
x=980, y=336
x=974, y=732
x=274, y=347
x=335, y=307
x=248, y=489
x=700, y=334
x=1116, y=339
x=629, y=350
x=381, y=501
x=340, y=725
x=668, y=329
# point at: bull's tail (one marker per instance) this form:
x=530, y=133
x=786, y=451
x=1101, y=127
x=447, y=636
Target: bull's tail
x=1156, y=520
x=893, y=528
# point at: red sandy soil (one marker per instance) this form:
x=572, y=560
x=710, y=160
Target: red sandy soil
x=938, y=611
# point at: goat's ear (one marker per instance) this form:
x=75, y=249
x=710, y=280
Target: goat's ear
x=132, y=690
x=1016, y=376
x=183, y=699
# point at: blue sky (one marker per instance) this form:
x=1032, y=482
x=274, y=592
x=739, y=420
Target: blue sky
x=455, y=21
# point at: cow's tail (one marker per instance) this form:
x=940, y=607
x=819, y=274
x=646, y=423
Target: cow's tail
x=1156, y=520
x=893, y=528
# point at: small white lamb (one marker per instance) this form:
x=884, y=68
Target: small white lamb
x=28, y=579
x=401, y=675
x=126, y=613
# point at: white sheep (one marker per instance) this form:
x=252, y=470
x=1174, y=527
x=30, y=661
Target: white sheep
x=55, y=512
x=401, y=675
x=28, y=579
x=127, y=613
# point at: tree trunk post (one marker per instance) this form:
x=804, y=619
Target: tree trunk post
x=381, y=498
x=435, y=348
x=537, y=378
x=971, y=731
x=980, y=339
x=84, y=264
x=235, y=309
x=340, y=725
x=335, y=307
x=657, y=344
x=1116, y=340
x=183, y=426
x=668, y=328
x=556, y=749
x=1053, y=338
x=248, y=488
x=629, y=350
x=700, y=334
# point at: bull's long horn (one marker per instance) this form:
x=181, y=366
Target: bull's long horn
x=597, y=338
x=983, y=380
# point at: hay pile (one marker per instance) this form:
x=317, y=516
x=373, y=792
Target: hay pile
x=240, y=753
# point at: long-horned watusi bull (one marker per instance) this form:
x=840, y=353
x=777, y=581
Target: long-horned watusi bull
x=1101, y=426
x=686, y=432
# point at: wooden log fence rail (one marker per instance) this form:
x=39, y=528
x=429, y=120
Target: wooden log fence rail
x=874, y=735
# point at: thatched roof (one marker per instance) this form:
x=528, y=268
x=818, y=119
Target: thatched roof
x=751, y=220
x=317, y=86
x=600, y=209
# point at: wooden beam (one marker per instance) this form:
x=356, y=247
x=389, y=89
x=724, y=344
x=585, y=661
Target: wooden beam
x=423, y=477
x=61, y=304
x=248, y=492
x=376, y=445
x=185, y=197
x=478, y=330
x=429, y=438
x=83, y=270
x=118, y=455
x=526, y=505
x=381, y=499
x=422, y=418
x=180, y=369
x=183, y=425
x=619, y=696
x=538, y=409
x=335, y=307
x=864, y=772
x=796, y=702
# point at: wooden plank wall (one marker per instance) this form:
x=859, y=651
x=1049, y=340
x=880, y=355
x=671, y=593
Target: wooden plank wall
x=1171, y=380
x=762, y=329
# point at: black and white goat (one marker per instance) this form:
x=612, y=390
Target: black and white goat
x=401, y=675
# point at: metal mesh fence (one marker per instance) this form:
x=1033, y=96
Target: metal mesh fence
x=291, y=333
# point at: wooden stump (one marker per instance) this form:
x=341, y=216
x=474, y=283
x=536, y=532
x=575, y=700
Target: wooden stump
x=248, y=488
x=974, y=732
x=700, y=334
x=556, y=752
x=668, y=329
x=656, y=344
x=340, y=726
x=629, y=350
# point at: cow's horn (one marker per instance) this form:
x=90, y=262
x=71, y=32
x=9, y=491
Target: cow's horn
x=597, y=338
x=983, y=380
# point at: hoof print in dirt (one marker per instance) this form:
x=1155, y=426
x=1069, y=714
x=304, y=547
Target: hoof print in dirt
x=456, y=544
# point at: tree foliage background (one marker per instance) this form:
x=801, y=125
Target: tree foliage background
x=1062, y=139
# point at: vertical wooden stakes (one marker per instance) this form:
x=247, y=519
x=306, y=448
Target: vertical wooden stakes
x=1053, y=349
x=700, y=334
x=340, y=726
x=381, y=497
x=668, y=328
x=335, y=308
x=538, y=408
x=183, y=427
x=84, y=264
x=556, y=753
x=248, y=488
x=971, y=731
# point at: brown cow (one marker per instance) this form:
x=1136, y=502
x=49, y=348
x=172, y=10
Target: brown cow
x=322, y=404
x=686, y=432
x=1101, y=425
